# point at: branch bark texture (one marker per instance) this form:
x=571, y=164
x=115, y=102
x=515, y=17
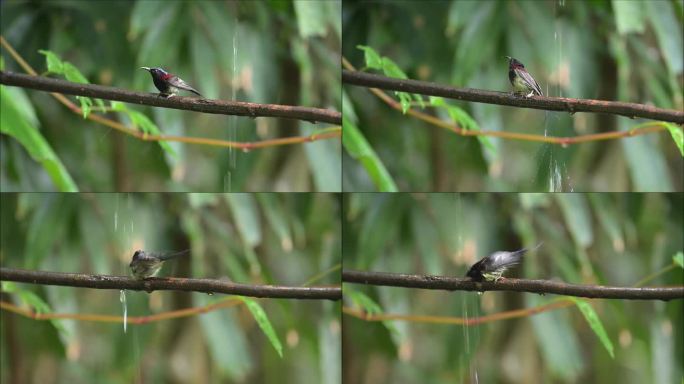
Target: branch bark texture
x=631, y=110
x=169, y=284
x=196, y=104
x=516, y=285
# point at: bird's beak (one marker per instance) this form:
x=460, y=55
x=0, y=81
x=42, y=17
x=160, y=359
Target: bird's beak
x=508, y=57
x=145, y=68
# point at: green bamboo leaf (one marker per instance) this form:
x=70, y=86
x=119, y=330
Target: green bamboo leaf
x=362, y=300
x=372, y=58
x=391, y=69
x=595, y=323
x=54, y=63
x=32, y=300
x=27, y=297
x=677, y=136
x=72, y=73
x=678, y=259
x=265, y=325
x=15, y=121
x=358, y=148
x=370, y=307
x=463, y=119
x=142, y=122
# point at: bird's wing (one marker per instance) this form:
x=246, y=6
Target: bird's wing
x=499, y=260
x=527, y=78
x=179, y=83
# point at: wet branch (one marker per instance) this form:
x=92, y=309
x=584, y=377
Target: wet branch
x=631, y=110
x=169, y=284
x=196, y=104
x=514, y=285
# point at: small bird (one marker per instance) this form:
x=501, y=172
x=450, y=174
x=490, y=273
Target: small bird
x=521, y=80
x=147, y=264
x=167, y=83
x=492, y=267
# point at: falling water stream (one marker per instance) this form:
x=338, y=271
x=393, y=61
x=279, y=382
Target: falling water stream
x=232, y=126
x=556, y=172
x=469, y=307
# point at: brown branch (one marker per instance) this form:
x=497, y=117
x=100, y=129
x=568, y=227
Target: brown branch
x=222, y=107
x=184, y=139
x=631, y=110
x=169, y=284
x=514, y=285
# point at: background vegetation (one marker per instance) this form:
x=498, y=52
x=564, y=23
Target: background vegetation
x=281, y=239
x=611, y=50
x=279, y=52
x=608, y=239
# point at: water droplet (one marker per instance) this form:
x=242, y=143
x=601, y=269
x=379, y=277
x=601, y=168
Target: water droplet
x=479, y=293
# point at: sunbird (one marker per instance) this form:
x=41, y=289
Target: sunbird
x=147, y=264
x=492, y=267
x=521, y=80
x=168, y=84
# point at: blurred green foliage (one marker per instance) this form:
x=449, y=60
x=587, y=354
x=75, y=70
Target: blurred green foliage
x=248, y=238
x=612, y=50
x=280, y=52
x=607, y=239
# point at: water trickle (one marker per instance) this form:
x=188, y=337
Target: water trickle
x=122, y=299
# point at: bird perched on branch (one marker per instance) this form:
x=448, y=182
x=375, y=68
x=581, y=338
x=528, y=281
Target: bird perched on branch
x=168, y=84
x=147, y=264
x=521, y=80
x=492, y=267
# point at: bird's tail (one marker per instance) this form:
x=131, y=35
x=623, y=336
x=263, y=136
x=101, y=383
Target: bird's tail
x=521, y=252
x=167, y=256
x=525, y=250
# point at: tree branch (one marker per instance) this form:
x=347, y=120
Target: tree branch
x=631, y=110
x=196, y=104
x=514, y=285
x=169, y=284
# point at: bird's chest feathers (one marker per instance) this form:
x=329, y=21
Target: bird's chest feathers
x=518, y=82
x=161, y=84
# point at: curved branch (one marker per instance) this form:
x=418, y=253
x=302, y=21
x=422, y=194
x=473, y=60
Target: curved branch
x=631, y=110
x=515, y=285
x=169, y=284
x=196, y=104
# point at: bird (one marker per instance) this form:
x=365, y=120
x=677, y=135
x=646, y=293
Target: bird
x=521, y=80
x=167, y=83
x=147, y=264
x=492, y=267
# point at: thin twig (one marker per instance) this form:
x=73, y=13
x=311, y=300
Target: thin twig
x=516, y=285
x=171, y=284
x=631, y=110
